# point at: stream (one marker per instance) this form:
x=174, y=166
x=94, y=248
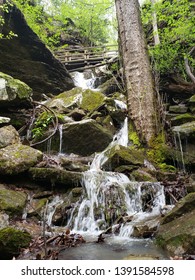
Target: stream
x=108, y=195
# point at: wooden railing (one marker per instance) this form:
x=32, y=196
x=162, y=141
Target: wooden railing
x=80, y=57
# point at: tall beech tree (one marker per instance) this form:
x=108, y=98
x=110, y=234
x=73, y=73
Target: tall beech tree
x=141, y=97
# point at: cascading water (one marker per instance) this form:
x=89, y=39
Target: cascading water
x=109, y=195
x=80, y=81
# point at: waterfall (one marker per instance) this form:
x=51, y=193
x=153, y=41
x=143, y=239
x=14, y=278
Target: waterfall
x=80, y=80
x=109, y=195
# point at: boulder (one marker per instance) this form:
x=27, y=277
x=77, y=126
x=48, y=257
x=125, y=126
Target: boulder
x=85, y=99
x=26, y=58
x=13, y=92
x=55, y=176
x=82, y=138
x=12, y=241
x=178, y=109
x=181, y=119
x=185, y=205
x=186, y=130
x=18, y=158
x=8, y=136
x=85, y=137
x=176, y=233
x=120, y=155
x=12, y=202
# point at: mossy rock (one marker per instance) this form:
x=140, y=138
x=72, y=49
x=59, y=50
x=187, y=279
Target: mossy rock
x=186, y=131
x=178, y=109
x=18, y=158
x=12, y=202
x=185, y=205
x=91, y=100
x=8, y=136
x=85, y=99
x=181, y=119
x=66, y=100
x=36, y=206
x=120, y=155
x=55, y=176
x=178, y=235
x=12, y=241
x=142, y=175
x=13, y=92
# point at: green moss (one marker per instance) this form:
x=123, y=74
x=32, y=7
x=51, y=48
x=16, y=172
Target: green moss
x=159, y=153
x=12, y=202
x=12, y=241
x=91, y=100
x=181, y=119
x=133, y=136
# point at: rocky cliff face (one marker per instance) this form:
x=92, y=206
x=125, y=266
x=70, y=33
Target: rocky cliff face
x=26, y=58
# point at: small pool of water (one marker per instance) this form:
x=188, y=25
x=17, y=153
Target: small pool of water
x=114, y=248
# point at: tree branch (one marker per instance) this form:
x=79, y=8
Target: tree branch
x=187, y=66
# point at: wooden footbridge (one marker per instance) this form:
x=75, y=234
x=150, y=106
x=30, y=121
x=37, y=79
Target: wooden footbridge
x=79, y=59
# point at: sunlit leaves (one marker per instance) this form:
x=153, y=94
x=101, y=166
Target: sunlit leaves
x=176, y=23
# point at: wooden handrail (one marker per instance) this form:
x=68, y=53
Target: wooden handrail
x=88, y=55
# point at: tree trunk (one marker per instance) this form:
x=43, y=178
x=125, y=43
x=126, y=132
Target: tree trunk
x=137, y=72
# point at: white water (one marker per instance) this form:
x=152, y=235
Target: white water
x=109, y=195
x=80, y=81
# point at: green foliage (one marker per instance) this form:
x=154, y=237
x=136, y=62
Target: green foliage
x=90, y=20
x=5, y=9
x=176, y=23
x=41, y=124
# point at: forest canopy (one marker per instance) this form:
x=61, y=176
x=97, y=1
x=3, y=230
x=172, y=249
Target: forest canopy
x=94, y=23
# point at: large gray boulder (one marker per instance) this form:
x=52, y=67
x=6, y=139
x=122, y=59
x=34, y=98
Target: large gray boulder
x=176, y=233
x=12, y=202
x=26, y=58
x=8, y=136
x=18, y=158
x=85, y=137
x=13, y=92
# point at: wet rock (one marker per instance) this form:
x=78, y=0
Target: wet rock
x=12, y=202
x=12, y=241
x=176, y=233
x=84, y=138
x=177, y=236
x=146, y=228
x=8, y=136
x=142, y=175
x=18, y=158
x=36, y=206
x=185, y=205
x=120, y=155
x=55, y=176
x=181, y=119
x=186, y=130
x=13, y=92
